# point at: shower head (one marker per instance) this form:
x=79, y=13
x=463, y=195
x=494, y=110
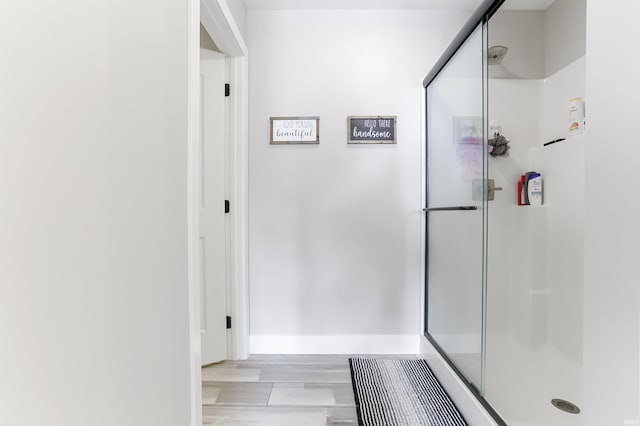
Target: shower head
x=496, y=54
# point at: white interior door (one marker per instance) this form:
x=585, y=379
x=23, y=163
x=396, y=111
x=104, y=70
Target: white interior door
x=212, y=215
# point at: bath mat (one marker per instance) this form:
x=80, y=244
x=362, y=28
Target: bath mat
x=390, y=392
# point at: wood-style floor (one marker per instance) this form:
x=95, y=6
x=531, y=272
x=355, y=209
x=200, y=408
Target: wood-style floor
x=279, y=390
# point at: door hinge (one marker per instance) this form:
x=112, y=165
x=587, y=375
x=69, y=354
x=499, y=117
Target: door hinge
x=228, y=322
x=227, y=89
x=227, y=207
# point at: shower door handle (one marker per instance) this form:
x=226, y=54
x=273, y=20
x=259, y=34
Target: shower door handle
x=449, y=209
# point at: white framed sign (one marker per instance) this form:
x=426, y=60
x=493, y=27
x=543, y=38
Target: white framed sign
x=295, y=130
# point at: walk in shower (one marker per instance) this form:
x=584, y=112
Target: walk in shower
x=503, y=280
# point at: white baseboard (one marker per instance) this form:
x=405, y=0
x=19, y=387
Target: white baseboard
x=348, y=344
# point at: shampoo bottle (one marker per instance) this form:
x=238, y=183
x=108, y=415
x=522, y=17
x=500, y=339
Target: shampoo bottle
x=534, y=189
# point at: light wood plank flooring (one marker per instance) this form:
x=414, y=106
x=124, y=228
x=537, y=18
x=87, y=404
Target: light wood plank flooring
x=279, y=390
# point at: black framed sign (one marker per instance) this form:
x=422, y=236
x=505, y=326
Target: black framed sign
x=295, y=130
x=371, y=129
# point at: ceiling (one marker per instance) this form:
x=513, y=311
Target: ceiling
x=362, y=4
x=392, y=4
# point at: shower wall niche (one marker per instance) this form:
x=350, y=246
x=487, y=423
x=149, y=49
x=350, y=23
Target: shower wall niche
x=535, y=253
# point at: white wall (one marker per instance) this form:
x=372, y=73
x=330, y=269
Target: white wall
x=564, y=35
x=93, y=266
x=563, y=169
x=335, y=230
x=536, y=254
x=611, y=309
x=540, y=42
x=522, y=32
x=239, y=12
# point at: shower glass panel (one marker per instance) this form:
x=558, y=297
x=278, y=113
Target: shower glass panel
x=455, y=209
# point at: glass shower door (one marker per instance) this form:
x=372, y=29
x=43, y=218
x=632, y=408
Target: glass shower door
x=456, y=210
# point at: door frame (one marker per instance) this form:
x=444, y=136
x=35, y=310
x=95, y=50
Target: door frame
x=217, y=19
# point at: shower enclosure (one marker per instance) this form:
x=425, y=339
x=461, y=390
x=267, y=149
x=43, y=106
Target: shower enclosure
x=503, y=281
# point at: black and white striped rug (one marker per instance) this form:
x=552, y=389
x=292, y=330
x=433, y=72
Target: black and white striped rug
x=391, y=392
